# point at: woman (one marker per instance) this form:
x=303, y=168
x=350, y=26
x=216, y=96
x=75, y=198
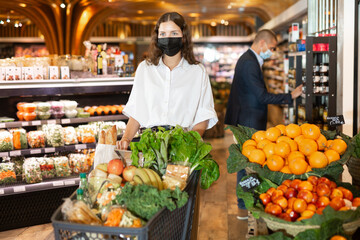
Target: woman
x=170, y=87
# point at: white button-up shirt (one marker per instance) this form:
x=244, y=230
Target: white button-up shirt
x=182, y=96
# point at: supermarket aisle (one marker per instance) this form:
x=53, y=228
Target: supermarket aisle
x=218, y=209
x=218, y=204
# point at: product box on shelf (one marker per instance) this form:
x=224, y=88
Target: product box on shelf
x=2, y=74
x=38, y=73
x=53, y=72
x=65, y=72
x=28, y=73
x=10, y=73
x=17, y=73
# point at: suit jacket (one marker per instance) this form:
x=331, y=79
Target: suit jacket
x=249, y=97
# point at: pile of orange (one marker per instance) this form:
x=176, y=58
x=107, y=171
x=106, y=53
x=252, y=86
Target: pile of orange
x=293, y=149
x=295, y=200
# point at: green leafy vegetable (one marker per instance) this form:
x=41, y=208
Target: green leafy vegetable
x=237, y=161
x=176, y=146
x=145, y=201
x=274, y=236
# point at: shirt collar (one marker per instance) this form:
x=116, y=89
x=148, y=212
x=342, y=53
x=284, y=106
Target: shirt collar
x=260, y=59
x=183, y=63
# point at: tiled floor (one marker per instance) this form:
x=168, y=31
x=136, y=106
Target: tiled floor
x=218, y=207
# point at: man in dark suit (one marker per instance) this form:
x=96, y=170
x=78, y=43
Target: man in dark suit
x=249, y=97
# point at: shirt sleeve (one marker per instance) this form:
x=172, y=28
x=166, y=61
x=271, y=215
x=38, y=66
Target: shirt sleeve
x=205, y=109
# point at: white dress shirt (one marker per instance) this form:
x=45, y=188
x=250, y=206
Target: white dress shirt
x=182, y=96
x=260, y=59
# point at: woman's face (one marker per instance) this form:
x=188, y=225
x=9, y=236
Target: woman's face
x=169, y=29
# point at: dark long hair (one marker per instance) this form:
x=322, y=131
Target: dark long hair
x=187, y=50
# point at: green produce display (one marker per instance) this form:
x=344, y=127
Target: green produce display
x=145, y=201
x=176, y=146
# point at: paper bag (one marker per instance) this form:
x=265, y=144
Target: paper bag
x=104, y=154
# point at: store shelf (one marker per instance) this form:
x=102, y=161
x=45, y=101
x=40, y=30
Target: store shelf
x=320, y=51
x=279, y=78
x=62, y=121
x=45, y=185
x=34, y=151
x=62, y=87
x=294, y=54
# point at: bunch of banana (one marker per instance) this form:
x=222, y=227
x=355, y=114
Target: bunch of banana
x=148, y=177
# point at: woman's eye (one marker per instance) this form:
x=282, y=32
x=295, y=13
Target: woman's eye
x=162, y=34
x=174, y=33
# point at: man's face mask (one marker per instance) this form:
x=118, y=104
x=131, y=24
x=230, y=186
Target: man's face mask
x=267, y=54
x=170, y=46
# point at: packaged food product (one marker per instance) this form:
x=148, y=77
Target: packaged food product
x=71, y=113
x=54, y=135
x=43, y=115
x=36, y=139
x=117, y=216
x=80, y=109
x=20, y=106
x=69, y=105
x=62, y=167
x=20, y=115
x=120, y=127
x=79, y=212
x=18, y=164
x=7, y=172
x=171, y=182
x=6, y=119
x=31, y=171
x=107, y=194
x=57, y=106
x=29, y=116
x=57, y=115
x=43, y=106
x=70, y=136
x=47, y=167
x=29, y=107
x=87, y=134
x=6, y=141
x=19, y=138
x=78, y=162
x=83, y=115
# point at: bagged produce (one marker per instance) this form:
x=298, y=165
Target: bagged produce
x=7, y=172
x=117, y=216
x=70, y=136
x=78, y=163
x=18, y=164
x=43, y=106
x=57, y=106
x=19, y=138
x=43, y=115
x=62, y=167
x=69, y=105
x=32, y=171
x=54, y=135
x=6, y=141
x=47, y=167
x=36, y=139
x=71, y=113
x=79, y=212
x=87, y=134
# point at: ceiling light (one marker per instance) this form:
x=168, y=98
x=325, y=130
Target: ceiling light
x=222, y=21
x=213, y=24
x=194, y=14
x=20, y=24
x=162, y=2
x=63, y=5
x=11, y=11
x=226, y=23
x=229, y=6
x=140, y=11
x=22, y=5
x=241, y=9
x=8, y=20
x=2, y=22
x=16, y=25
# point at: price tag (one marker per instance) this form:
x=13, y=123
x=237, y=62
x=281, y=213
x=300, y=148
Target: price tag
x=2, y=191
x=70, y=182
x=336, y=121
x=249, y=183
x=24, y=124
x=36, y=123
x=51, y=121
x=65, y=121
x=35, y=151
x=58, y=183
x=49, y=150
x=4, y=154
x=2, y=125
x=19, y=189
x=15, y=153
x=80, y=146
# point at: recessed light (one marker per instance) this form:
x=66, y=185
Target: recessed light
x=226, y=23
x=213, y=24
x=229, y=6
x=140, y=11
x=8, y=20
x=194, y=14
x=22, y=5
x=222, y=21
x=241, y=9
x=62, y=5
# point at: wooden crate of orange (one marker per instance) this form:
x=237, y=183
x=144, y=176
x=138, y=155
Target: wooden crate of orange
x=292, y=150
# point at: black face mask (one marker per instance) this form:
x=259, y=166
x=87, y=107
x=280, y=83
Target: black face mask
x=170, y=46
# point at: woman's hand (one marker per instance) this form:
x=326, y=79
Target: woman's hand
x=131, y=128
x=123, y=144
